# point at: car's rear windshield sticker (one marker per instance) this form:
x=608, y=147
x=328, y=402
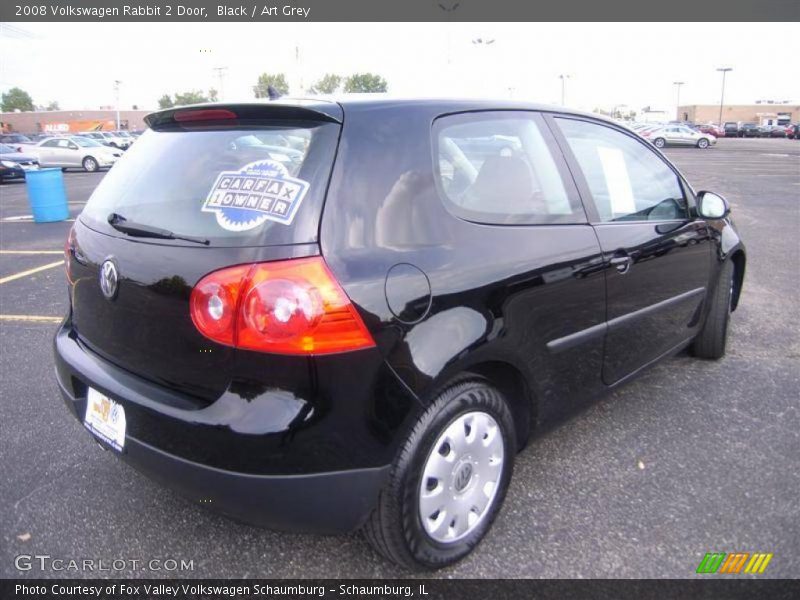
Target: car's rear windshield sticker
x=258, y=192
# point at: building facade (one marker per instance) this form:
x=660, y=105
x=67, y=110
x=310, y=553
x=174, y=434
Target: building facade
x=762, y=114
x=63, y=121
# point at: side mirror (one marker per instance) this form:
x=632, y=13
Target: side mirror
x=712, y=206
x=73, y=147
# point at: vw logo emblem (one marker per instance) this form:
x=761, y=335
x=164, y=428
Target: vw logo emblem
x=463, y=477
x=109, y=279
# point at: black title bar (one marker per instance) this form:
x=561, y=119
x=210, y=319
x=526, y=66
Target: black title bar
x=419, y=589
x=400, y=10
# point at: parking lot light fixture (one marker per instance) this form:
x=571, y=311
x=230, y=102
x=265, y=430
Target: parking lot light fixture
x=563, y=77
x=117, y=83
x=678, y=85
x=723, y=70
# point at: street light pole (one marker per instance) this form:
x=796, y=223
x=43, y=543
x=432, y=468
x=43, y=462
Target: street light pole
x=678, y=85
x=562, y=78
x=485, y=43
x=116, y=93
x=723, y=70
x=221, y=75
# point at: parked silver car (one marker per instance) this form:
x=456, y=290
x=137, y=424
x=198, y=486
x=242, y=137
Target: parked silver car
x=76, y=152
x=679, y=135
x=108, y=138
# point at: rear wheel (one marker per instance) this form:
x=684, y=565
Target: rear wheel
x=449, y=480
x=90, y=164
x=702, y=143
x=659, y=142
x=712, y=339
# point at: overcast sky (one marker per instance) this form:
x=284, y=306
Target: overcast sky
x=633, y=64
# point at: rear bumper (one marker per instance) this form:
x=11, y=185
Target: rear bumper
x=326, y=502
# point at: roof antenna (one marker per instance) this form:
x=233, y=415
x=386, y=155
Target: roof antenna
x=273, y=93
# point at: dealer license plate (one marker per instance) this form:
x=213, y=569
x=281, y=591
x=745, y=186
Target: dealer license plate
x=105, y=419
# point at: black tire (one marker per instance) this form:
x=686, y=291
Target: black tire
x=395, y=526
x=702, y=143
x=90, y=164
x=659, y=142
x=713, y=337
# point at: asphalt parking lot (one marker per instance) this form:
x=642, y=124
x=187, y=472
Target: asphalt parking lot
x=692, y=457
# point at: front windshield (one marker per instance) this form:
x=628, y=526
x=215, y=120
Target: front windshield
x=123, y=134
x=85, y=142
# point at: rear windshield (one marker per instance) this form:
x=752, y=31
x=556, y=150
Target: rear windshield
x=231, y=186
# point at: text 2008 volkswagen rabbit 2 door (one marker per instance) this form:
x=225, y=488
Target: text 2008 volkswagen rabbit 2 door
x=324, y=316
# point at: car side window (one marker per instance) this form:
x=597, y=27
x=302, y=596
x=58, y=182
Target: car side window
x=497, y=168
x=63, y=143
x=627, y=180
x=51, y=144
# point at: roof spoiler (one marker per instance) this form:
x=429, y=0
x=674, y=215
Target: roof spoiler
x=243, y=113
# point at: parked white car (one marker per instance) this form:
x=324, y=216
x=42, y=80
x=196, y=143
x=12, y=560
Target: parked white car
x=679, y=135
x=74, y=152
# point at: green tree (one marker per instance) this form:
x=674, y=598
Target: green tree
x=190, y=97
x=367, y=83
x=53, y=105
x=213, y=96
x=165, y=101
x=16, y=99
x=276, y=80
x=329, y=83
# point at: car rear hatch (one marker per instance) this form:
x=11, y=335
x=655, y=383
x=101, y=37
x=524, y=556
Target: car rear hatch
x=205, y=188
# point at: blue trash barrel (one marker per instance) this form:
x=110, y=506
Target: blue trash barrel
x=46, y=195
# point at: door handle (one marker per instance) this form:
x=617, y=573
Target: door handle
x=622, y=264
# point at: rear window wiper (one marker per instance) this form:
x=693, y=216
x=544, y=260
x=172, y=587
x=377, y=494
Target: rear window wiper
x=120, y=223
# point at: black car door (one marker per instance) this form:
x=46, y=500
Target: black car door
x=658, y=256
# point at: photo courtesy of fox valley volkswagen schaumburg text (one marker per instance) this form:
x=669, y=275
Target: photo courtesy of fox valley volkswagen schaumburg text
x=289, y=294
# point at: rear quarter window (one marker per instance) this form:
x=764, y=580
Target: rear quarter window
x=259, y=185
x=497, y=168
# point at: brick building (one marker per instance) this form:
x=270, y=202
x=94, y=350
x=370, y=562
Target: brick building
x=762, y=113
x=61, y=121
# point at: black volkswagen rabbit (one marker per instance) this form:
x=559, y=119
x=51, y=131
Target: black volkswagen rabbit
x=324, y=316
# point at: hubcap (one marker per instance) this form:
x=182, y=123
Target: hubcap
x=461, y=476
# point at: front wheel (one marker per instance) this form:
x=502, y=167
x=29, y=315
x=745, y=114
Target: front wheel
x=90, y=164
x=702, y=143
x=713, y=338
x=659, y=142
x=449, y=480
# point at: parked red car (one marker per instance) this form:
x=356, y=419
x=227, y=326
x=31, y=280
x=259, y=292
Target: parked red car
x=711, y=130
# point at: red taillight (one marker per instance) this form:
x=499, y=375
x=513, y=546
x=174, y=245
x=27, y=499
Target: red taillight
x=69, y=247
x=214, y=302
x=286, y=307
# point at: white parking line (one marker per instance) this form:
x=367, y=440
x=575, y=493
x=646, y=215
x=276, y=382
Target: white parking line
x=31, y=318
x=30, y=272
x=27, y=219
x=31, y=252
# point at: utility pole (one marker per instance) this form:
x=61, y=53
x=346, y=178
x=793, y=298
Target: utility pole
x=563, y=78
x=723, y=70
x=117, y=82
x=485, y=43
x=678, y=85
x=221, y=76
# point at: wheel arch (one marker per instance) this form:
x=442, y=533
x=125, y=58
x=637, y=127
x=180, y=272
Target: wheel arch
x=510, y=382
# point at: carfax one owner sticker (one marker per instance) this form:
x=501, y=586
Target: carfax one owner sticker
x=258, y=192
